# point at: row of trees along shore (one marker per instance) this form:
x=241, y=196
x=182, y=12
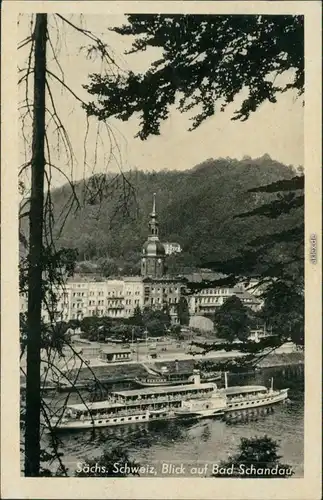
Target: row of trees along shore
x=238, y=52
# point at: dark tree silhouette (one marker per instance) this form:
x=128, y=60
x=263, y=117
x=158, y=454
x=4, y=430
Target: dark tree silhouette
x=136, y=319
x=231, y=320
x=183, y=311
x=256, y=458
x=46, y=267
x=33, y=341
x=206, y=60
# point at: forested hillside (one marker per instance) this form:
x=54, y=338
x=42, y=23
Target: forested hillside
x=196, y=208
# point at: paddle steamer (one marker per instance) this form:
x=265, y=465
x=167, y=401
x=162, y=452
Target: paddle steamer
x=197, y=399
x=143, y=405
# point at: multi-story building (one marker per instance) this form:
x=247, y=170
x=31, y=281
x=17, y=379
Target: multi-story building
x=133, y=294
x=114, y=299
x=207, y=300
x=172, y=247
x=163, y=293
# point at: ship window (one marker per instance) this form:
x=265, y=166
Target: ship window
x=100, y=422
x=114, y=420
x=129, y=418
x=121, y=419
x=136, y=418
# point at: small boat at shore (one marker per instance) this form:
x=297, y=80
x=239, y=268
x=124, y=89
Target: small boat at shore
x=148, y=381
x=91, y=384
x=174, y=379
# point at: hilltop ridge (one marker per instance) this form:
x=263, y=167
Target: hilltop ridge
x=196, y=208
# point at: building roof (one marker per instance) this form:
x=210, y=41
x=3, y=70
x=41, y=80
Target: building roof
x=133, y=278
x=243, y=389
x=245, y=295
x=163, y=390
x=164, y=279
x=86, y=278
x=93, y=406
x=115, y=350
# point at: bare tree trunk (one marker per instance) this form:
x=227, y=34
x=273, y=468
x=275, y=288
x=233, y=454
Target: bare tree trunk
x=33, y=398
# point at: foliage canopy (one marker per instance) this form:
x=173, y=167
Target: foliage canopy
x=205, y=62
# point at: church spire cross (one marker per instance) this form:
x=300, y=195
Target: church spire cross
x=153, y=224
x=153, y=213
x=152, y=262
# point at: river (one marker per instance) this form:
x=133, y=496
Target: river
x=206, y=440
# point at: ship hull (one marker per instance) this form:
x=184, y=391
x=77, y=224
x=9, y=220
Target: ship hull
x=268, y=400
x=166, y=383
x=113, y=421
x=186, y=414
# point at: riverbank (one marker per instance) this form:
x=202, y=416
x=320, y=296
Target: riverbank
x=282, y=359
x=132, y=370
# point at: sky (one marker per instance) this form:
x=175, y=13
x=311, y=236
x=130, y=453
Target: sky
x=276, y=129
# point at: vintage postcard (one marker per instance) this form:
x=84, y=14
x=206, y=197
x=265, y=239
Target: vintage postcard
x=161, y=318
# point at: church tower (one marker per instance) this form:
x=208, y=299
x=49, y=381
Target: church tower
x=153, y=252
